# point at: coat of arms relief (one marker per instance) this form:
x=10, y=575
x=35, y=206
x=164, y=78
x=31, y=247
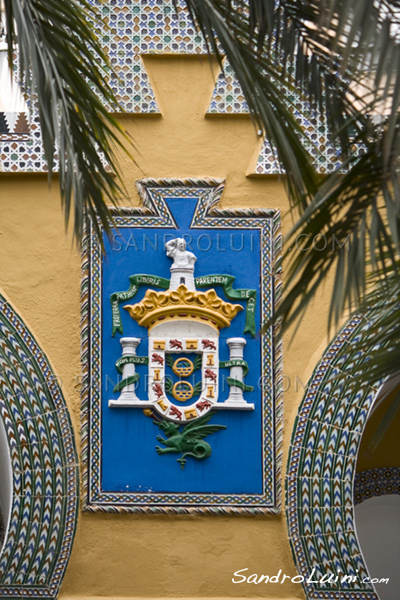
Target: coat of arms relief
x=182, y=403
x=183, y=328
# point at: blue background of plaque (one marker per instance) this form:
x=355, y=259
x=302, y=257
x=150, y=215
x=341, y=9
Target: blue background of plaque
x=129, y=461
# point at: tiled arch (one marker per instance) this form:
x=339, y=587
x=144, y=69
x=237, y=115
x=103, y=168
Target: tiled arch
x=321, y=470
x=44, y=466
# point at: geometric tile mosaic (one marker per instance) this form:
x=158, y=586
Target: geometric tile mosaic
x=227, y=96
x=376, y=482
x=20, y=139
x=321, y=471
x=324, y=155
x=128, y=30
x=13, y=108
x=45, y=478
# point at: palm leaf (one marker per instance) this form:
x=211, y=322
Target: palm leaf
x=63, y=66
x=343, y=59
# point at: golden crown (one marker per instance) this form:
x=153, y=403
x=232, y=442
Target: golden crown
x=181, y=304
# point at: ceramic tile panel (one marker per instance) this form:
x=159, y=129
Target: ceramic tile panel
x=376, y=482
x=320, y=482
x=201, y=223
x=128, y=30
x=44, y=466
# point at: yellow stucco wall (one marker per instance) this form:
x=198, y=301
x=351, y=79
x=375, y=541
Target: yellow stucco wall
x=155, y=555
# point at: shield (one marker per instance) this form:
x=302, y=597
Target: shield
x=174, y=391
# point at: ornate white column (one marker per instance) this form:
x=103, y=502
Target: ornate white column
x=235, y=398
x=128, y=395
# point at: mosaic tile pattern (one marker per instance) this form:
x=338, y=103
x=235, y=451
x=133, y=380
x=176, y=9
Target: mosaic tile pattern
x=131, y=29
x=321, y=471
x=228, y=97
x=376, y=482
x=21, y=148
x=156, y=213
x=324, y=155
x=44, y=466
x=14, y=126
x=14, y=115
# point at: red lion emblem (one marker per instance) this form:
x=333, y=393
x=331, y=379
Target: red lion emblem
x=175, y=411
x=208, y=344
x=210, y=374
x=204, y=404
x=158, y=390
x=176, y=344
x=157, y=358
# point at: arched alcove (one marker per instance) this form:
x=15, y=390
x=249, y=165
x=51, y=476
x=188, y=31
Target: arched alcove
x=321, y=470
x=377, y=492
x=6, y=493
x=38, y=433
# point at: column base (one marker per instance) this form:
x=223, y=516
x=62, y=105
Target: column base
x=129, y=403
x=233, y=405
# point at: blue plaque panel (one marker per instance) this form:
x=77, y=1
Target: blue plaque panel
x=181, y=400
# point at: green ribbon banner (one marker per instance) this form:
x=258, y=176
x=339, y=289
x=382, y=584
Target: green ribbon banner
x=135, y=360
x=227, y=282
x=136, y=281
x=240, y=384
x=238, y=362
x=125, y=382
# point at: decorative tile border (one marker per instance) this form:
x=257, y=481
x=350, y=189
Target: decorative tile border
x=44, y=466
x=376, y=482
x=156, y=213
x=321, y=470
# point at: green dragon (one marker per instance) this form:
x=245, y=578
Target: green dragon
x=189, y=440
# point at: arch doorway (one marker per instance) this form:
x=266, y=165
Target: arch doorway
x=321, y=471
x=377, y=493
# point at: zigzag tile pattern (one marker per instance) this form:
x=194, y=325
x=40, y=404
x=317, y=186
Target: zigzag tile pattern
x=321, y=472
x=44, y=466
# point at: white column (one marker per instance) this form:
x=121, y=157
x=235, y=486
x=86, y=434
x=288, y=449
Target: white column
x=128, y=395
x=129, y=346
x=235, y=398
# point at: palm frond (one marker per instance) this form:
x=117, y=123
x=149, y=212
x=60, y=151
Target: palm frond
x=343, y=59
x=63, y=66
x=349, y=227
x=237, y=31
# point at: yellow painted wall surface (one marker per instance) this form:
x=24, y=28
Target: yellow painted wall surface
x=155, y=555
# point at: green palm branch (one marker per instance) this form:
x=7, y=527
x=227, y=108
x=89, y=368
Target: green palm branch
x=62, y=64
x=342, y=59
